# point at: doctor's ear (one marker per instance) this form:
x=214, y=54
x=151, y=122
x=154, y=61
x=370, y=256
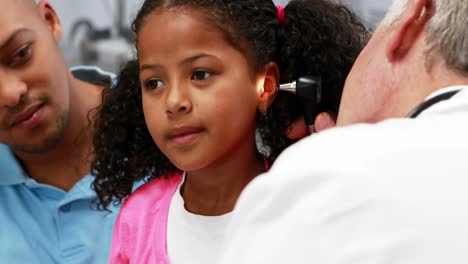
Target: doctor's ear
x=268, y=86
x=408, y=28
x=48, y=13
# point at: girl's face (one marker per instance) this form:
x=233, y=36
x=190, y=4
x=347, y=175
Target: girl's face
x=199, y=94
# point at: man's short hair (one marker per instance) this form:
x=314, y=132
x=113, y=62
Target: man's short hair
x=447, y=31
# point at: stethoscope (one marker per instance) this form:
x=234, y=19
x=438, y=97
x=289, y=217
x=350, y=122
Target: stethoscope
x=309, y=88
x=432, y=101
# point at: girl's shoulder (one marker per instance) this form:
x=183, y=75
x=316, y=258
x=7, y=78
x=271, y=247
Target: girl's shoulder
x=143, y=217
x=153, y=194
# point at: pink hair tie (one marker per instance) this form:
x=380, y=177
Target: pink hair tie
x=280, y=10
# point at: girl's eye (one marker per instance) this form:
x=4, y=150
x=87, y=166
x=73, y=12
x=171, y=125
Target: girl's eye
x=201, y=75
x=154, y=84
x=22, y=56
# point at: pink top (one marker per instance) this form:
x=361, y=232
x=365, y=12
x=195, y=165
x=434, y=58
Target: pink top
x=140, y=230
x=141, y=227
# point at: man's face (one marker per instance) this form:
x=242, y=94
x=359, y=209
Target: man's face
x=34, y=80
x=366, y=95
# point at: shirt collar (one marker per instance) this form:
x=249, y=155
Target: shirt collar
x=446, y=90
x=11, y=170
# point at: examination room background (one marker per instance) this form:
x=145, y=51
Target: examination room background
x=96, y=32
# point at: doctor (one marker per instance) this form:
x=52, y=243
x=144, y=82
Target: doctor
x=391, y=190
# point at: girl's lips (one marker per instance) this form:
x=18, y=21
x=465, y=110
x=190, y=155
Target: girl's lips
x=184, y=135
x=185, y=139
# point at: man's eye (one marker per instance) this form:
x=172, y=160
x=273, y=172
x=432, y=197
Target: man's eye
x=22, y=56
x=24, y=52
x=154, y=84
x=201, y=75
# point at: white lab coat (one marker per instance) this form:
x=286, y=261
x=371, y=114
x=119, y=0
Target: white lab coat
x=389, y=193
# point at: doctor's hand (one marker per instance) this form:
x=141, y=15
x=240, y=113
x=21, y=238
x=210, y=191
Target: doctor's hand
x=323, y=121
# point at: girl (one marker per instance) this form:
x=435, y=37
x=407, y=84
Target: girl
x=187, y=111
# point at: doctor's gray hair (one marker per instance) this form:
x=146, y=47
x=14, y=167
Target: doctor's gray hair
x=447, y=31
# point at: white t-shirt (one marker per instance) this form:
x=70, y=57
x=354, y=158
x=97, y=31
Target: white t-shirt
x=191, y=238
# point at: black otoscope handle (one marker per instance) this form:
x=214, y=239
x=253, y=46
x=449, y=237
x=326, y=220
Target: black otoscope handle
x=310, y=90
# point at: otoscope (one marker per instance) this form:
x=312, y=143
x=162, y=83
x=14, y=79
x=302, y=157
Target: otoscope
x=309, y=88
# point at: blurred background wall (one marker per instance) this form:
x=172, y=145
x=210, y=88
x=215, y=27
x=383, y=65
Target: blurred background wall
x=96, y=31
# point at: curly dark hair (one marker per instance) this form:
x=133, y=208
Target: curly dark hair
x=318, y=38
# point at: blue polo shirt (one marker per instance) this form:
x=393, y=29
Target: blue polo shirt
x=42, y=224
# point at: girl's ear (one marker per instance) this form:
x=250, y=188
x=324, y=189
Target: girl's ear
x=268, y=85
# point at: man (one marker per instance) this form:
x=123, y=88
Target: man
x=46, y=213
x=389, y=191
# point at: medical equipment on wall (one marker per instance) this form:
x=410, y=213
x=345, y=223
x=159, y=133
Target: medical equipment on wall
x=108, y=48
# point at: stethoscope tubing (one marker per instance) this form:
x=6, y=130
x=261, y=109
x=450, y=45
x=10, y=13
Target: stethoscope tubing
x=434, y=100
